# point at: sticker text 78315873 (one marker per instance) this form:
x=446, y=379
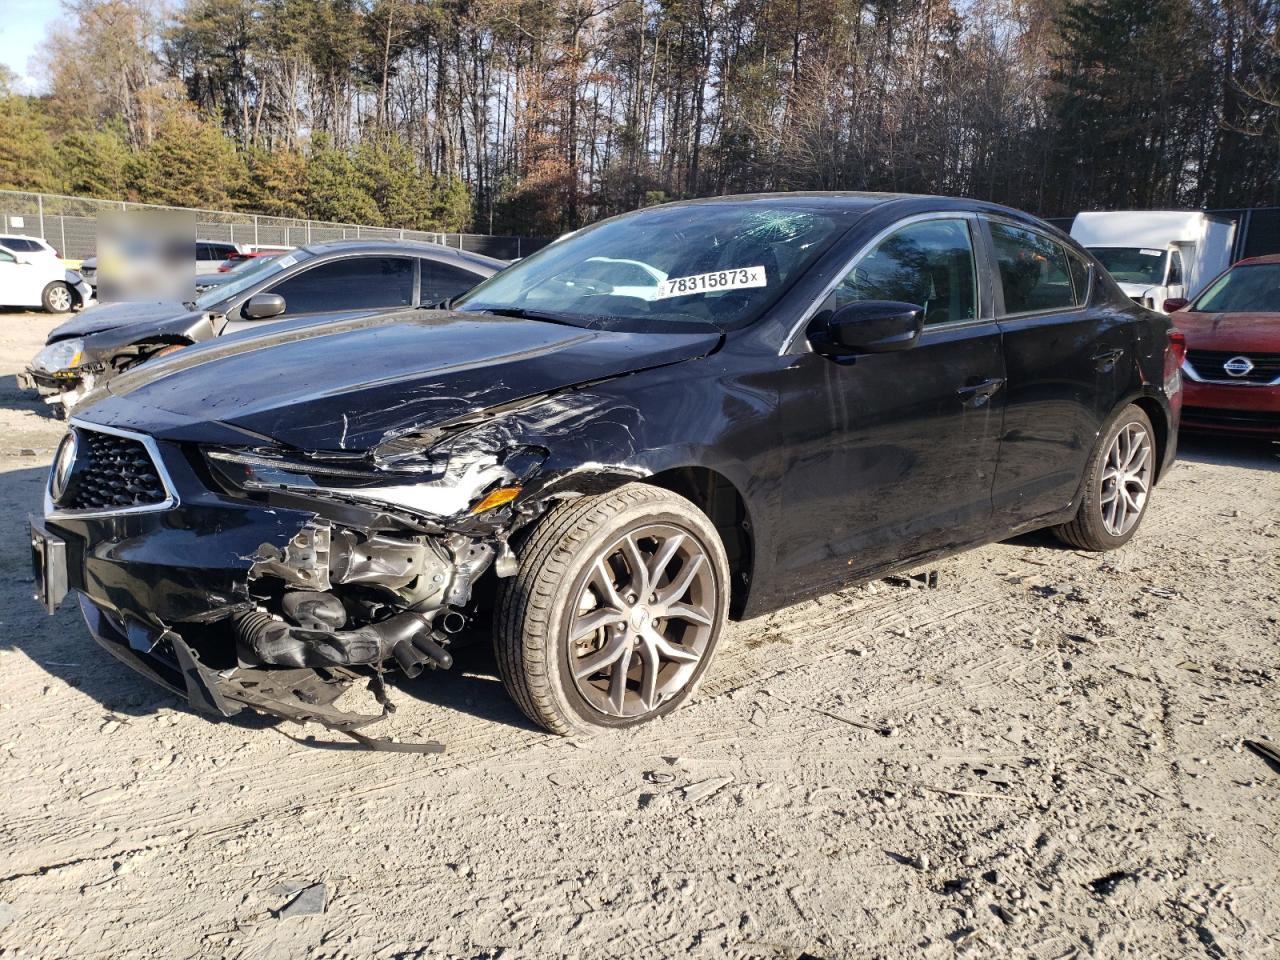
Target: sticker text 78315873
x=713, y=282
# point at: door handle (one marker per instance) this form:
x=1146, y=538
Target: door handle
x=979, y=393
x=1106, y=359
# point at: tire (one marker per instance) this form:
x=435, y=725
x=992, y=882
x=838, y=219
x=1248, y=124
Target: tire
x=56, y=298
x=1095, y=526
x=567, y=563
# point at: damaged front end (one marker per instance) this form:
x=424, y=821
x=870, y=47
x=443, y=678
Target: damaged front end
x=275, y=578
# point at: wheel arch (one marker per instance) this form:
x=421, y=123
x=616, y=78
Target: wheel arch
x=1158, y=414
x=716, y=496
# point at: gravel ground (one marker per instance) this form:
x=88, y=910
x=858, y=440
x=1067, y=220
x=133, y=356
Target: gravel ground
x=1041, y=758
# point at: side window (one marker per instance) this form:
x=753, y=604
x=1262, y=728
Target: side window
x=1080, y=276
x=1175, y=268
x=359, y=283
x=204, y=251
x=6, y=256
x=443, y=280
x=1033, y=270
x=929, y=263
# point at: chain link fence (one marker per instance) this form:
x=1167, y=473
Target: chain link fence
x=70, y=224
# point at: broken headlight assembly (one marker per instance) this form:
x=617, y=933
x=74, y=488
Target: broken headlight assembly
x=436, y=484
x=61, y=357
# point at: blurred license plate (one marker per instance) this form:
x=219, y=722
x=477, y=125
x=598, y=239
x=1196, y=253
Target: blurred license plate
x=48, y=565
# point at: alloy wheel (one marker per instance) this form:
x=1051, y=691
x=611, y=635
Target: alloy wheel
x=1126, y=479
x=60, y=299
x=643, y=619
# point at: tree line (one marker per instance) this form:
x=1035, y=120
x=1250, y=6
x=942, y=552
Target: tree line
x=536, y=116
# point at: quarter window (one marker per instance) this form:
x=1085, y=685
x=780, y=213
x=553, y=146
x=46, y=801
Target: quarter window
x=929, y=263
x=360, y=283
x=1079, y=277
x=1033, y=270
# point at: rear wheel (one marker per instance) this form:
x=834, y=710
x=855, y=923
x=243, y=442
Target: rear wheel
x=1117, y=487
x=615, y=611
x=56, y=297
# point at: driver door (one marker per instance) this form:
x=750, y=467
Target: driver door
x=893, y=454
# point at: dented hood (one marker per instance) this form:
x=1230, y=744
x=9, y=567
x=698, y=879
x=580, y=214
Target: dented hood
x=344, y=385
x=130, y=313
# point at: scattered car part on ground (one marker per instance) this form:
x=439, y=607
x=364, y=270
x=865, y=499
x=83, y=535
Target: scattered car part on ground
x=606, y=478
x=343, y=278
x=1232, y=366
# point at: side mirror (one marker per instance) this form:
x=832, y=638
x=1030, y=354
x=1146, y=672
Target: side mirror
x=262, y=306
x=869, y=326
x=1175, y=303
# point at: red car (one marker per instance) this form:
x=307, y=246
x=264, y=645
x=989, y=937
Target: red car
x=1232, y=367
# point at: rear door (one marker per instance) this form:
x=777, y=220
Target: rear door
x=895, y=452
x=1069, y=357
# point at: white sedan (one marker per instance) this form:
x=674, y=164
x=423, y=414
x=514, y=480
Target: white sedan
x=36, y=281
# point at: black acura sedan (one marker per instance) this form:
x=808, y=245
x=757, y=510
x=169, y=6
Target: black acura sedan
x=694, y=412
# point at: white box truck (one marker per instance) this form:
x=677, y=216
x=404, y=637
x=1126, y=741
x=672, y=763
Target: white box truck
x=1158, y=255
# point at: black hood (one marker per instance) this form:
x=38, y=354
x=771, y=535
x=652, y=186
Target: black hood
x=344, y=385
x=142, y=314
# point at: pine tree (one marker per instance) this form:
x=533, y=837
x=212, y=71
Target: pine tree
x=336, y=189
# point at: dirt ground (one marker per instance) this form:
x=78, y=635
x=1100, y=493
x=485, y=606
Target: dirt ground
x=1040, y=758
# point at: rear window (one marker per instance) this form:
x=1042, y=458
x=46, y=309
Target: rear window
x=1033, y=270
x=20, y=245
x=441, y=281
x=1252, y=288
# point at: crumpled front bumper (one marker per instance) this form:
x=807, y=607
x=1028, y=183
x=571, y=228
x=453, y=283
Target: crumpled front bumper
x=302, y=695
x=46, y=384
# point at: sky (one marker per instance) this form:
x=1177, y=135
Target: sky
x=22, y=27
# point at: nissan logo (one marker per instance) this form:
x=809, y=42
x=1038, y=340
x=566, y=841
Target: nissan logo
x=64, y=462
x=1238, y=366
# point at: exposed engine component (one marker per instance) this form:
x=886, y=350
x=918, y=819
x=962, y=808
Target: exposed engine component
x=304, y=562
x=408, y=637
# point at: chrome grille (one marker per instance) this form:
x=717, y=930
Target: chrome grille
x=111, y=472
x=1209, y=365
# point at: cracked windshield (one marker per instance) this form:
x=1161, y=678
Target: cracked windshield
x=720, y=263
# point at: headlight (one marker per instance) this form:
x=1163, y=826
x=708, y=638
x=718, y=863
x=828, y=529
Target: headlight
x=471, y=484
x=59, y=357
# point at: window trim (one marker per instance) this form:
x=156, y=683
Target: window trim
x=977, y=241
x=998, y=284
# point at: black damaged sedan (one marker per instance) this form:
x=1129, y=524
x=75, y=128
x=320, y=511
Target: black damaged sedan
x=695, y=412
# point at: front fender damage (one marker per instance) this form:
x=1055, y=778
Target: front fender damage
x=385, y=574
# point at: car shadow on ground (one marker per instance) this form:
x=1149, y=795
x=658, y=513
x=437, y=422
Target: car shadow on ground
x=1253, y=454
x=1246, y=452
x=471, y=686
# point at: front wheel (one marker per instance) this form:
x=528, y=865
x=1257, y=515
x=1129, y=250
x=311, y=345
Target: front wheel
x=615, y=611
x=1117, y=487
x=56, y=297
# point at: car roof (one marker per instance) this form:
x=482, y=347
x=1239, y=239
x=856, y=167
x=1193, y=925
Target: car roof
x=415, y=247
x=21, y=236
x=865, y=201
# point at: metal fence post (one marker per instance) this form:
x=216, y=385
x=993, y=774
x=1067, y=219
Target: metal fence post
x=255, y=229
x=62, y=231
x=40, y=208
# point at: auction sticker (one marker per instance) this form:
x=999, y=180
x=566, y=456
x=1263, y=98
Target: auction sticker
x=736, y=279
